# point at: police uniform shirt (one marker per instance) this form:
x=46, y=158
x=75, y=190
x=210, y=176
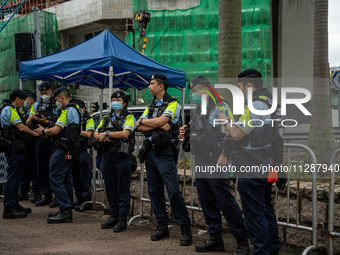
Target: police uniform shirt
x=129, y=123
x=34, y=108
x=217, y=109
x=10, y=116
x=173, y=111
x=90, y=124
x=248, y=120
x=68, y=116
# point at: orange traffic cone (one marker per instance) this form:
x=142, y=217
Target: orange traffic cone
x=273, y=176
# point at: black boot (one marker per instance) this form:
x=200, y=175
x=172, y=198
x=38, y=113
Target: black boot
x=65, y=216
x=54, y=203
x=215, y=243
x=53, y=214
x=86, y=207
x=110, y=223
x=13, y=213
x=242, y=247
x=23, y=195
x=77, y=203
x=186, y=238
x=36, y=196
x=22, y=209
x=162, y=231
x=121, y=224
x=45, y=201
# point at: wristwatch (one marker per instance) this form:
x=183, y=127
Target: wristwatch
x=107, y=132
x=140, y=121
x=43, y=131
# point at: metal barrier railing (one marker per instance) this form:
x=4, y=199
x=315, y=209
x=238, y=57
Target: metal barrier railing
x=331, y=232
x=297, y=225
x=3, y=170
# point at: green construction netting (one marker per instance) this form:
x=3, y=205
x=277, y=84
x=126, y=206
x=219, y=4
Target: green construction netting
x=187, y=39
x=9, y=77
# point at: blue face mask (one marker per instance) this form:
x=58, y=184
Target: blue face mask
x=116, y=106
x=25, y=105
x=196, y=98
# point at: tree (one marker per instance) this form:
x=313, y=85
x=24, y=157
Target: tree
x=321, y=137
x=229, y=43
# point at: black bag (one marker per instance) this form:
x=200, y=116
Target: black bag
x=133, y=163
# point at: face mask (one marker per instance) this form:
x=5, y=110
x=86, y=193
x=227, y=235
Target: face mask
x=46, y=97
x=196, y=98
x=59, y=105
x=25, y=105
x=116, y=106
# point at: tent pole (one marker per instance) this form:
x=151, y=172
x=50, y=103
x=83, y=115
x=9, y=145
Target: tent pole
x=101, y=102
x=20, y=84
x=110, y=81
x=182, y=109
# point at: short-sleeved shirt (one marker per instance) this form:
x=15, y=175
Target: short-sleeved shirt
x=34, y=108
x=90, y=124
x=129, y=123
x=248, y=120
x=173, y=111
x=225, y=108
x=9, y=116
x=68, y=116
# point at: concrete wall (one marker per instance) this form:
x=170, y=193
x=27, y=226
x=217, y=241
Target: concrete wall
x=171, y=4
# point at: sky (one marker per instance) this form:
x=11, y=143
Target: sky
x=334, y=32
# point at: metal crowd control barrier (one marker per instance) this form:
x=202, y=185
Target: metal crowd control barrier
x=312, y=229
x=94, y=185
x=331, y=232
x=3, y=169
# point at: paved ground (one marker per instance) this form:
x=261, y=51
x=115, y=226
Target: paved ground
x=33, y=235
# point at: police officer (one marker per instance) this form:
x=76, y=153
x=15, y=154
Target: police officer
x=14, y=130
x=115, y=133
x=159, y=124
x=65, y=133
x=214, y=192
x=254, y=189
x=30, y=172
x=81, y=169
x=44, y=112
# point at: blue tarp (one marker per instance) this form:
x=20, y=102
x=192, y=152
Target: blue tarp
x=88, y=64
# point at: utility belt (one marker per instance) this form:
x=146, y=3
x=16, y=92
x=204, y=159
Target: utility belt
x=118, y=148
x=73, y=148
x=157, y=148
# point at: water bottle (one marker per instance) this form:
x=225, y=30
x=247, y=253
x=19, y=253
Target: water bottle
x=224, y=110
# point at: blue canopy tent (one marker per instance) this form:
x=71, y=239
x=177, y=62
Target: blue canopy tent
x=102, y=61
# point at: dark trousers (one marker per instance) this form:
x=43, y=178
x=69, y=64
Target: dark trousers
x=14, y=175
x=259, y=214
x=116, y=173
x=215, y=197
x=30, y=172
x=61, y=179
x=81, y=176
x=44, y=153
x=161, y=170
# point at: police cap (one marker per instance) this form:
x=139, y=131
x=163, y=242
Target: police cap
x=19, y=93
x=159, y=77
x=79, y=102
x=118, y=94
x=59, y=90
x=33, y=95
x=45, y=85
x=249, y=73
x=199, y=80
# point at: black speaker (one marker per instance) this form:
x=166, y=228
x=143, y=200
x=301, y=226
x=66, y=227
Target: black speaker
x=24, y=42
x=23, y=56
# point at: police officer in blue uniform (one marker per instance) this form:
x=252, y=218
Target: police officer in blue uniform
x=159, y=124
x=44, y=112
x=30, y=172
x=213, y=189
x=65, y=135
x=81, y=169
x=115, y=135
x=14, y=130
x=254, y=189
